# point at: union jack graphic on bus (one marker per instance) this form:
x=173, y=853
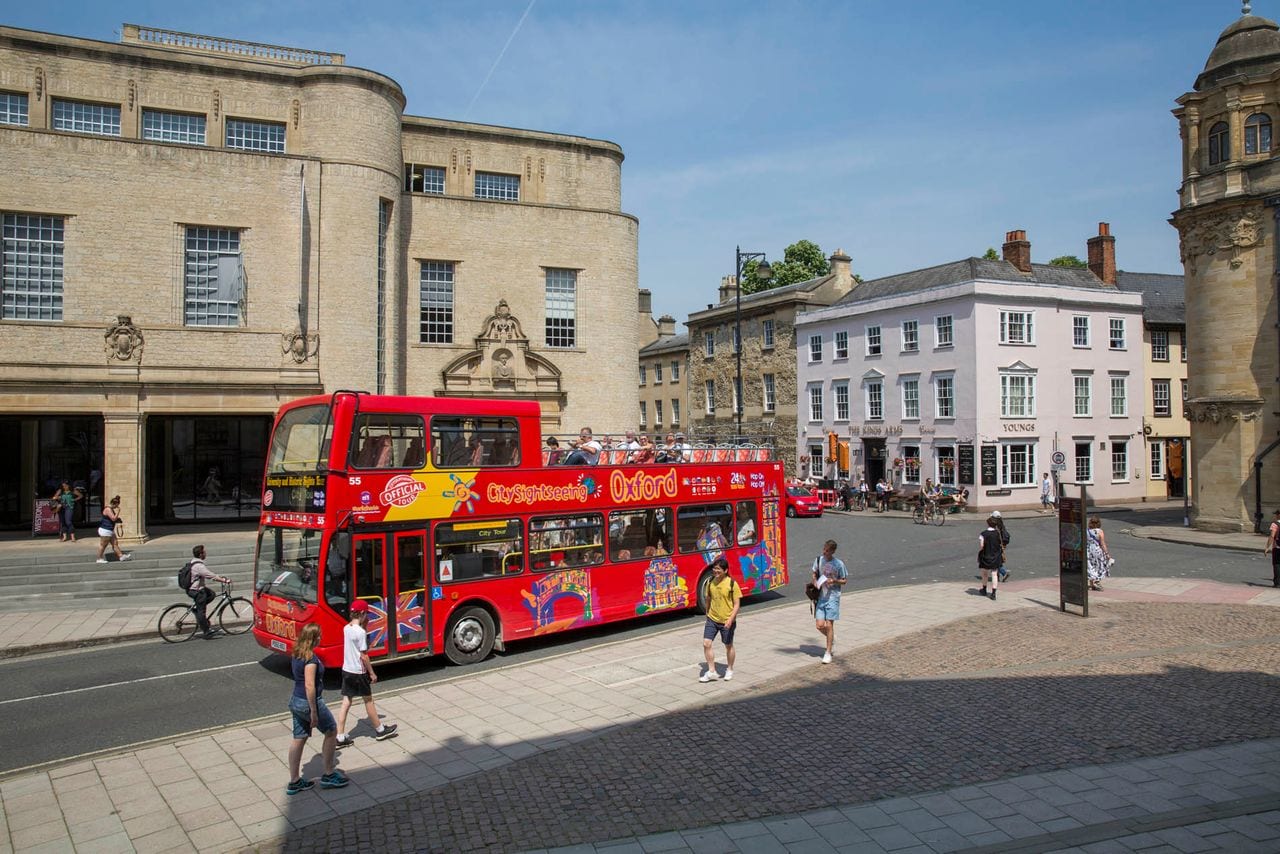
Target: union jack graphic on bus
x=409, y=617
x=377, y=625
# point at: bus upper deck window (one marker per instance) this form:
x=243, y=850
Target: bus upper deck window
x=384, y=441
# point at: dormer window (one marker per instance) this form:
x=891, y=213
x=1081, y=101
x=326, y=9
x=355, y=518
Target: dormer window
x=1257, y=134
x=1219, y=144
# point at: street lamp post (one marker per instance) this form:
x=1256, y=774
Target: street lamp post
x=764, y=273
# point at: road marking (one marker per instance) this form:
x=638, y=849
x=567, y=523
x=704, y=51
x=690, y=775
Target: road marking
x=130, y=682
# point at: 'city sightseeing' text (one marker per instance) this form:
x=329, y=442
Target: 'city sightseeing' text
x=532, y=493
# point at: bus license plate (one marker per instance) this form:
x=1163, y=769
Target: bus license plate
x=280, y=645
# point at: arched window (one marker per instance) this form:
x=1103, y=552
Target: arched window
x=1257, y=134
x=1219, y=144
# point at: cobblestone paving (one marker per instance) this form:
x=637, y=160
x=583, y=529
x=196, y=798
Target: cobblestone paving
x=973, y=701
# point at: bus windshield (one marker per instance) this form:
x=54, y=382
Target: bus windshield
x=301, y=441
x=287, y=562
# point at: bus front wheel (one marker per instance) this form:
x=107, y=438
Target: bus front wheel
x=470, y=636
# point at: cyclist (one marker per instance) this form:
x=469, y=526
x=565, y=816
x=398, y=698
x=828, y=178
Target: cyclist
x=199, y=589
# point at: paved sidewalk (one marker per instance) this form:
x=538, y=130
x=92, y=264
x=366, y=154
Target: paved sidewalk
x=225, y=790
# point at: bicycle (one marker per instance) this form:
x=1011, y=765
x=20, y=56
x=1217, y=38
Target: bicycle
x=858, y=502
x=928, y=511
x=234, y=615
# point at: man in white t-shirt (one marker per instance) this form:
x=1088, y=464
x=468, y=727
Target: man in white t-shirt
x=586, y=451
x=1048, y=501
x=357, y=675
x=631, y=444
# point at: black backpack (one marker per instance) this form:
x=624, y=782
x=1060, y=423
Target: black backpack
x=184, y=576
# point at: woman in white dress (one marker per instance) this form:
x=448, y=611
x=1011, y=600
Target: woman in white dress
x=1099, y=558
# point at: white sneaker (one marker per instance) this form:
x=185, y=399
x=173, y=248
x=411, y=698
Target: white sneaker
x=728, y=674
x=126, y=556
x=826, y=658
x=709, y=676
x=101, y=560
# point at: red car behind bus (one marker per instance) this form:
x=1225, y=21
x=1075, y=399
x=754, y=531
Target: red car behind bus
x=441, y=514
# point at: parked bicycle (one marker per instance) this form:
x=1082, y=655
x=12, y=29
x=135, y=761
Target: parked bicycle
x=233, y=615
x=858, y=501
x=928, y=511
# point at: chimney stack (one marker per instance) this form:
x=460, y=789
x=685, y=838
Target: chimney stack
x=840, y=269
x=646, y=301
x=666, y=326
x=1102, y=254
x=728, y=288
x=1017, y=250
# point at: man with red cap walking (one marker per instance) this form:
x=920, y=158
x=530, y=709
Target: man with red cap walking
x=358, y=676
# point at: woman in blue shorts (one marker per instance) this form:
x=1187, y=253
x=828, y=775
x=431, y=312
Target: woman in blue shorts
x=310, y=712
x=830, y=570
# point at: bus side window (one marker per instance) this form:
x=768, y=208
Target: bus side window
x=747, y=523
x=702, y=527
x=556, y=542
x=467, y=551
x=474, y=442
x=384, y=441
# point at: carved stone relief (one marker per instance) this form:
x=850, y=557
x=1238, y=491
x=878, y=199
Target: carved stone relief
x=502, y=364
x=123, y=341
x=299, y=346
x=1218, y=411
x=1230, y=231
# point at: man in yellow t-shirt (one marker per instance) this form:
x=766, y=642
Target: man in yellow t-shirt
x=724, y=597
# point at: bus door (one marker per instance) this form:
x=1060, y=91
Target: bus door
x=369, y=554
x=389, y=574
x=412, y=615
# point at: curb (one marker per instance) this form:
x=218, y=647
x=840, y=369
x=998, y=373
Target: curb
x=1133, y=532
x=10, y=653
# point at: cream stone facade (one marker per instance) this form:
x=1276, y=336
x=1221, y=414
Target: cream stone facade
x=769, y=397
x=197, y=230
x=1227, y=222
x=664, y=381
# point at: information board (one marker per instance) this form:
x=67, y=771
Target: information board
x=990, y=472
x=1073, y=586
x=965, y=464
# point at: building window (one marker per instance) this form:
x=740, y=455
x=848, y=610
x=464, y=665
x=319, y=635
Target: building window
x=911, y=398
x=500, y=188
x=711, y=397
x=709, y=343
x=80, y=117
x=657, y=373
x=1083, y=395
x=1084, y=461
x=815, y=348
x=675, y=412
x=1257, y=134
x=214, y=281
x=1018, y=464
x=160, y=126
x=910, y=463
x=1017, y=396
x=842, y=344
x=910, y=335
x=32, y=267
x=766, y=332
x=435, y=302
x=1182, y=346
x=942, y=331
x=13, y=109
x=1119, y=460
x=1157, y=459
x=384, y=228
x=1119, y=396
x=657, y=414
x=423, y=179
x=644, y=416
x=770, y=400
x=816, y=459
x=815, y=403
x=875, y=401
x=944, y=396
x=1161, y=399
x=1219, y=144
x=1080, y=331
x=840, y=391
x=1159, y=346
x=1017, y=327
x=644, y=375
x=675, y=372
x=946, y=464
x=1184, y=391
x=562, y=311
x=255, y=136
x=1117, y=333
x=873, y=340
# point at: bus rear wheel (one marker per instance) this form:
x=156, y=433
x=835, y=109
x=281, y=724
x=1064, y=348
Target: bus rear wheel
x=704, y=592
x=470, y=636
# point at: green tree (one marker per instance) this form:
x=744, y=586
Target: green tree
x=801, y=261
x=990, y=254
x=1067, y=261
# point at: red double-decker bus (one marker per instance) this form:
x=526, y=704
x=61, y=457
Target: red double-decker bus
x=444, y=516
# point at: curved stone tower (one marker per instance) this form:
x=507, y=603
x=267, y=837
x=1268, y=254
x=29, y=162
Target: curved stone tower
x=1228, y=224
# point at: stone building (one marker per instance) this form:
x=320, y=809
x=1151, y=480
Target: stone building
x=197, y=229
x=1227, y=220
x=664, y=380
x=1164, y=344
x=768, y=359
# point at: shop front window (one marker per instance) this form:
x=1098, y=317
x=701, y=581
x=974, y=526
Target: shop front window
x=205, y=467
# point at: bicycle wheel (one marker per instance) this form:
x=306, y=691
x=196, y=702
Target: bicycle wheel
x=177, y=624
x=939, y=515
x=918, y=515
x=235, y=616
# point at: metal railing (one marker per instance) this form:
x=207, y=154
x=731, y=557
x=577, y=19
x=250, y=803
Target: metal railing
x=699, y=452
x=175, y=40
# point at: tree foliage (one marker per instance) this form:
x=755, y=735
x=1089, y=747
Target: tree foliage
x=990, y=254
x=1067, y=261
x=801, y=261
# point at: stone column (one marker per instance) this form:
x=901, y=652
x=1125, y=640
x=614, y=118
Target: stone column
x=123, y=471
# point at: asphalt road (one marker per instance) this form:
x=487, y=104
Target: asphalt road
x=64, y=705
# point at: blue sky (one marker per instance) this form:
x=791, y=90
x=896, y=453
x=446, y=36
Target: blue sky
x=908, y=134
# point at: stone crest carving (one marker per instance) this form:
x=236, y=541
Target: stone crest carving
x=502, y=326
x=1218, y=411
x=123, y=341
x=299, y=346
x=502, y=364
x=1229, y=232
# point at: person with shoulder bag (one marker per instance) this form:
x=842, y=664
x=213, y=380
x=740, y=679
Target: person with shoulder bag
x=829, y=576
x=107, y=535
x=1004, y=543
x=724, y=599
